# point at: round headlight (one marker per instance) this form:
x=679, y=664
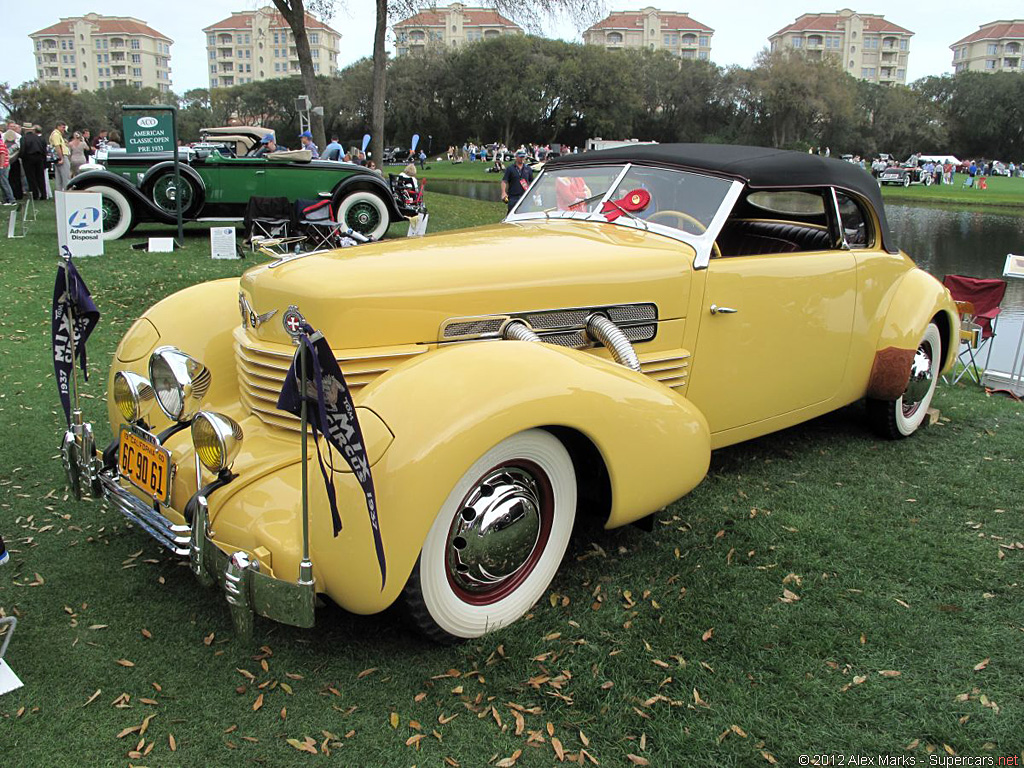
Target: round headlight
x=133, y=395
x=216, y=438
x=179, y=381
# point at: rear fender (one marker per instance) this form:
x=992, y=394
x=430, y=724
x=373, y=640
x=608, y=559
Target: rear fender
x=918, y=299
x=368, y=183
x=447, y=408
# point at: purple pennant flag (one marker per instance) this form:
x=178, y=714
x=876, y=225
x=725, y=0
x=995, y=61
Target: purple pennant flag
x=70, y=294
x=332, y=413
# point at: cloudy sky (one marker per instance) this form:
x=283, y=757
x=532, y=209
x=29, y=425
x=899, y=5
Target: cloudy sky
x=741, y=27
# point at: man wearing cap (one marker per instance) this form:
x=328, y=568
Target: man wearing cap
x=307, y=143
x=516, y=180
x=267, y=145
x=62, y=170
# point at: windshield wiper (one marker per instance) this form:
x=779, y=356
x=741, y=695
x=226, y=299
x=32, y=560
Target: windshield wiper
x=590, y=199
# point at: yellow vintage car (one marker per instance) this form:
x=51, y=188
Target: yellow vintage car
x=637, y=309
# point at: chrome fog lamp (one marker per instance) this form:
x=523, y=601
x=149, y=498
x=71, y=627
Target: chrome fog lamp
x=179, y=381
x=133, y=395
x=216, y=438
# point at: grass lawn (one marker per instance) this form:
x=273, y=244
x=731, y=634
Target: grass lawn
x=820, y=592
x=1001, y=192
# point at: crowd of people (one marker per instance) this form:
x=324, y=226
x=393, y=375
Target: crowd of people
x=26, y=153
x=498, y=153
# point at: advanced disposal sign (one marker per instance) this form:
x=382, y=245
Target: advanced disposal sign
x=80, y=222
x=147, y=133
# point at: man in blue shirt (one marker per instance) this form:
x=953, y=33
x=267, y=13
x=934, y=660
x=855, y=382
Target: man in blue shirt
x=516, y=180
x=307, y=143
x=333, y=151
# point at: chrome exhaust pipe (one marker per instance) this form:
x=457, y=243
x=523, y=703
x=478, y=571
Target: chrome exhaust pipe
x=602, y=329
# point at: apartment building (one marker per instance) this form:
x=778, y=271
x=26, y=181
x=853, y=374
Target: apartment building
x=259, y=45
x=451, y=27
x=865, y=44
x=654, y=30
x=995, y=47
x=94, y=52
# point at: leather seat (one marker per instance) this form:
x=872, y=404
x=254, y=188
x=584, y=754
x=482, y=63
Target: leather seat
x=744, y=237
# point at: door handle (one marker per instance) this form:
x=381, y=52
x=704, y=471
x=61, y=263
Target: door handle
x=260, y=173
x=717, y=310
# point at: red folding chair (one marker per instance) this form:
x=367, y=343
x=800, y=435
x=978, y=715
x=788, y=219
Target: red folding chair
x=978, y=300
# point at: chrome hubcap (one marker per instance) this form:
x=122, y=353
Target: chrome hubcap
x=920, y=379
x=496, y=532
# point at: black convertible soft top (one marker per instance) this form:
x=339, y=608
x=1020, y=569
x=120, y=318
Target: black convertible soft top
x=757, y=167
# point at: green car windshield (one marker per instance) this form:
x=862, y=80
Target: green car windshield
x=626, y=193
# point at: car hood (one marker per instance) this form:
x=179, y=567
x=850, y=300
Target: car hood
x=401, y=291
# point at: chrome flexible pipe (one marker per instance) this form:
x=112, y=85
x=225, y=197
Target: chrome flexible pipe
x=600, y=328
x=518, y=330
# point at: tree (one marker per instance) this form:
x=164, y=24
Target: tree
x=294, y=12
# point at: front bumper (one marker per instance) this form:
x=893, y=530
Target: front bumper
x=247, y=589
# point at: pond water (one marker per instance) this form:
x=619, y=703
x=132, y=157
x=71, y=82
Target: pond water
x=940, y=240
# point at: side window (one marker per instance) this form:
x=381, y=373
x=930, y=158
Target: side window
x=856, y=226
x=771, y=222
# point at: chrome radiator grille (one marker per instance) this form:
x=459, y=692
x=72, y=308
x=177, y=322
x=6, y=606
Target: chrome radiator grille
x=261, y=373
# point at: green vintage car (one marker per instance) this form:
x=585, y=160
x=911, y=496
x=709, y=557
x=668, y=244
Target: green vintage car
x=221, y=174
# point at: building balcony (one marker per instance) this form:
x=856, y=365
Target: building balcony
x=226, y=53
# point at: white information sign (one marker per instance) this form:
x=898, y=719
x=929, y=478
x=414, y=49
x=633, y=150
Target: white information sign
x=80, y=223
x=222, y=243
x=1014, y=266
x=160, y=244
x=8, y=680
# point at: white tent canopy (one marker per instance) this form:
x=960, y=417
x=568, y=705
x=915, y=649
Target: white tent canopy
x=939, y=159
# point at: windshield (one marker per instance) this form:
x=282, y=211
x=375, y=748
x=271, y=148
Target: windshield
x=635, y=194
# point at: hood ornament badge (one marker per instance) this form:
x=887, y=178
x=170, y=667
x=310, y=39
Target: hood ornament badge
x=292, y=320
x=250, y=316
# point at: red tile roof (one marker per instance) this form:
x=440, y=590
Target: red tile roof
x=105, y=25
x=472, y=17
x=995, y=30
x=830, y=22
x=243, y=20
x=671, y=22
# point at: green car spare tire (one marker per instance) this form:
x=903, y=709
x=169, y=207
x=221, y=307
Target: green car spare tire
x=364, y=212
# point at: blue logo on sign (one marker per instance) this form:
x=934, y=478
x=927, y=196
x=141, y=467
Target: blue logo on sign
x=84, y=218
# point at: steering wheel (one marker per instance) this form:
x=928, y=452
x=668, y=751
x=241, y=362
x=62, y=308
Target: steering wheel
x=688, y=219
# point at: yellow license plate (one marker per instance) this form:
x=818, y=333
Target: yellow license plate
x=145, y=464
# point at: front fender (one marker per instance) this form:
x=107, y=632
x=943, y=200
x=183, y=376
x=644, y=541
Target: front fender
x=448, y=407
x=918, y=299
x=142, y=206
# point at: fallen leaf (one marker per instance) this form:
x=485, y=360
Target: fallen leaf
x=172, y=743
x=93, y=697
x=258, y=703
x=890, y=673
x=366, y=672
x=707, y=634
x=147, y=634
x=637, y=760
x=981, y=665
x=393, y=719
x=738, y=731
x=556, y=745
x=126, y=663
x=901, y=602
x=508, y=762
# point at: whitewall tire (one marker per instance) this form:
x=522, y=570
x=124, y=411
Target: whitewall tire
x=903, y=416
x=118, y=216
x=497, y=541
x=366, y=213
